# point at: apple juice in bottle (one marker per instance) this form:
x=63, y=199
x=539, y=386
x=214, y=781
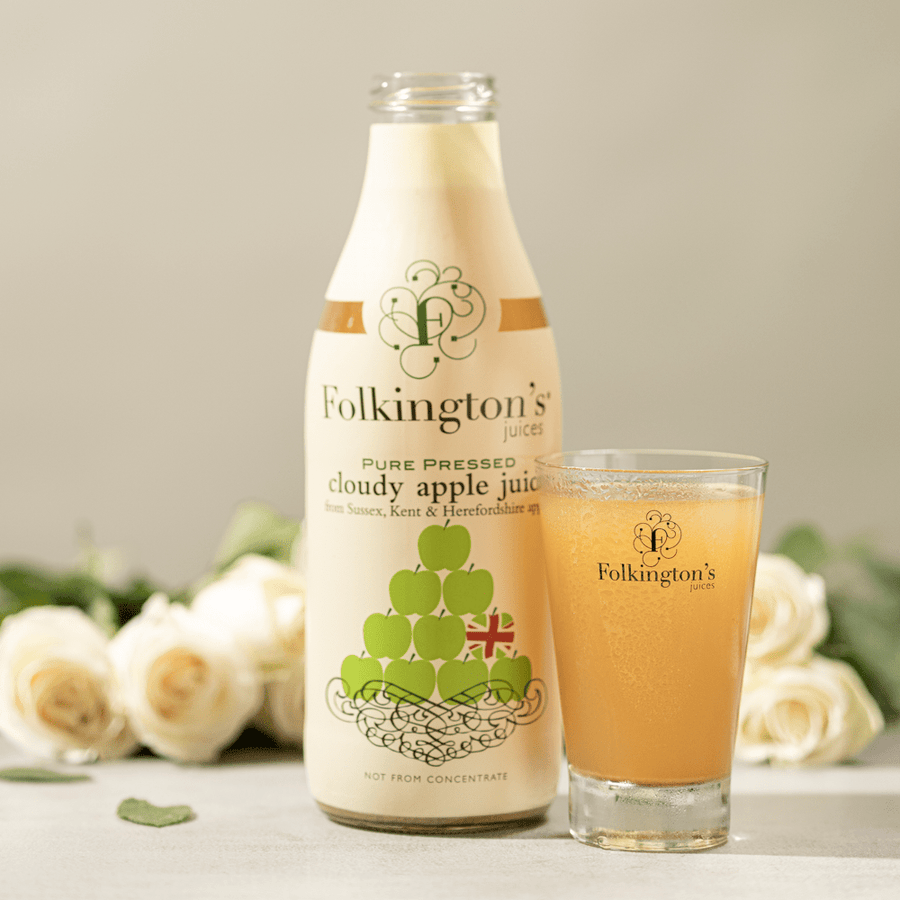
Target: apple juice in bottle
x=432, y=385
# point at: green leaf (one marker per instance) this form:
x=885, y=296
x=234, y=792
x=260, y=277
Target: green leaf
x=24, y=586
x=864, y=603
x=142, y=812
x=257, y=528
x=805, y=545
x=21, y=587
x=37, y=774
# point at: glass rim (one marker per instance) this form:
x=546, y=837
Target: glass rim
x=405, y=90
x=739, y=462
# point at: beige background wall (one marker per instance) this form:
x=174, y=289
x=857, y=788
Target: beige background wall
x=709, y=192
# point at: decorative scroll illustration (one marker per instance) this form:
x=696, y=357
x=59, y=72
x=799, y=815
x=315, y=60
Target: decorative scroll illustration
x=435, y=732
x=432, y=316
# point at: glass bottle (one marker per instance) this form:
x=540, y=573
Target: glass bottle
x=432, y=385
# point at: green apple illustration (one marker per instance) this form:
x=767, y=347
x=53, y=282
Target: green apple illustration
x=415, y=592
x=443, y=547
x=409, y=681
x=439, y=637
x=468, y=591
x=361, y=672
x=387, y=635
x=462, y=680
x=514, y=672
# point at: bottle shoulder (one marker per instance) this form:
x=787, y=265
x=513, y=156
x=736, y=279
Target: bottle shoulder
x=468, y=229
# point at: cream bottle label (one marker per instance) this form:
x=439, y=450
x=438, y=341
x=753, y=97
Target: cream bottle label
x=431, y=686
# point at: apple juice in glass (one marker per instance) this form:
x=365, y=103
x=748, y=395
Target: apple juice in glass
x=432, y=385
x=651, y=559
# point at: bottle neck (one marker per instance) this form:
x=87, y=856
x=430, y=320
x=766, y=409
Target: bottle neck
x=434, y=97
x=433, y=157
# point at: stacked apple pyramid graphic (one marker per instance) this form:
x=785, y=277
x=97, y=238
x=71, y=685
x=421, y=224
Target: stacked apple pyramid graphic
x=414, y=649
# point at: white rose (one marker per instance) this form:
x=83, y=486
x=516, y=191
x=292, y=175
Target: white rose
x=788, y=616
x=262, y=603
x=808, y=713
x=281, y=716
x=58, y=694
x=188, y=688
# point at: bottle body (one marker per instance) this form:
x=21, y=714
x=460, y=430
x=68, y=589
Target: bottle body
x=432, y=384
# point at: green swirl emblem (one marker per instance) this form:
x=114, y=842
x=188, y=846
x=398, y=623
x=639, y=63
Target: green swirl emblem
x=432, y=316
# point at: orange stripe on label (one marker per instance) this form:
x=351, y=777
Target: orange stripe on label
x=344, y=316
x=519, y=314
x=522, y=314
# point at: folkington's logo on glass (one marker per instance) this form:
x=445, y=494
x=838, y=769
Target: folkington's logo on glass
x=430, y=318
x=656, y=539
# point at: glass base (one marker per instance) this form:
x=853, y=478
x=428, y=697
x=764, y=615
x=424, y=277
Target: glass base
x=619, y=815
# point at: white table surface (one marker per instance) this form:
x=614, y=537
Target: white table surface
x=817, y=833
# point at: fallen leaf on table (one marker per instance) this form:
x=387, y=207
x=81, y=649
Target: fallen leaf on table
x=143, y=812
x=45, y=775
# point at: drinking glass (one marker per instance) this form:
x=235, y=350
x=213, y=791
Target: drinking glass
x=651, y=557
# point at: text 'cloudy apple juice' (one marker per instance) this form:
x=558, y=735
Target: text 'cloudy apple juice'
x=432, y=385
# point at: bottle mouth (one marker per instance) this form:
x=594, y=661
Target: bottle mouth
x=434, y=97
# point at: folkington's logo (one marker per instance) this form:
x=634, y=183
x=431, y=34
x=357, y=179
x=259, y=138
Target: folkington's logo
x=431, y=317
x=657, y=538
